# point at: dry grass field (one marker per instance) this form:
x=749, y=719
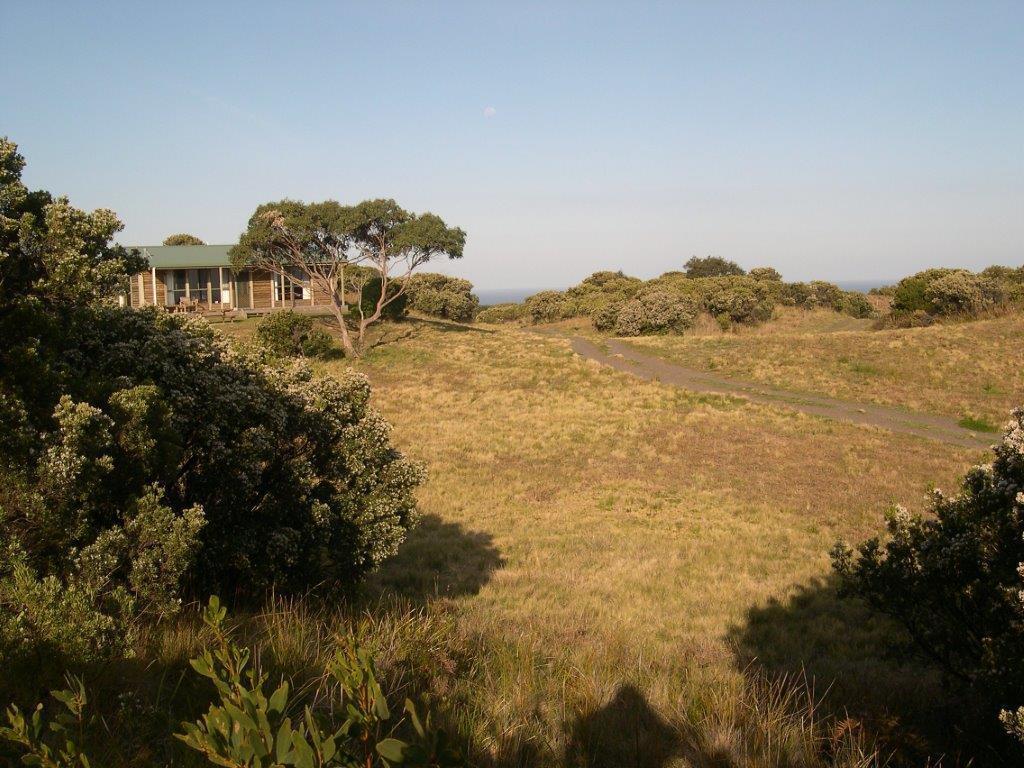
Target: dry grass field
x=962, y=370
x=624, y=568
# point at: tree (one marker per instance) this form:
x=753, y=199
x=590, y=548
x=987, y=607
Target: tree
x=341, y=248
x=183, y=239
x=712, y=266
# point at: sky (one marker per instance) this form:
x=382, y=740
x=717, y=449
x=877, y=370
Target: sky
x=841, y=141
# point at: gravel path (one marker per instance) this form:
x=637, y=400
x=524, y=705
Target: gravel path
x=624, y=357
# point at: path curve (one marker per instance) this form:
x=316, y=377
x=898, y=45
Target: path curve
x=624, y=357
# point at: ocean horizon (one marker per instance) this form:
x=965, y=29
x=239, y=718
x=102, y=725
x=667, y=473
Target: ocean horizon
x=491, y=296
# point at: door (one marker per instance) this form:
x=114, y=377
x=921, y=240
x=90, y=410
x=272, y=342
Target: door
x=243, y=297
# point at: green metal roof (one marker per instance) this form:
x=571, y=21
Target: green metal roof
x=184, y=256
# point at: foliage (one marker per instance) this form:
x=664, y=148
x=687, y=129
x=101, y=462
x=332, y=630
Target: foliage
x=145, y=457
x=293, y=334
x=52, y=251
x=393, y=309
x=656, y=311
x=954, y=579
x=766, y=274
x=856, y=304
x=333, y=245
x=962, y=293
x=62, y=746
x=442, y=296
x=910, y=293
x=501, y=313
x=547, y=307
x=248, y=728
x=711, y=266
x=1013, y=722
x=740, y=299
x=183, y=239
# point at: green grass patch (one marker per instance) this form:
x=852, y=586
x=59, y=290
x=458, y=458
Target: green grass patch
x=977, y=424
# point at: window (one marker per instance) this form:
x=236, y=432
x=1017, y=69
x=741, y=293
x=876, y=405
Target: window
x=192, y=284
x=176, y=287
x=292, y=286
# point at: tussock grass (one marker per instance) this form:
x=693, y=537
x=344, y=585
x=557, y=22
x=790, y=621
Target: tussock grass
x=623, y=550
x=608, y=572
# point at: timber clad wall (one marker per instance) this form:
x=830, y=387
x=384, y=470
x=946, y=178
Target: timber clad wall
x=147, y=289
x=261, y=290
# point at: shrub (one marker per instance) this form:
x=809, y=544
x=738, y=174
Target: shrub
x=856, y=305
x=548, y=306
x=712, y=266
x=766, y=274
x=606, y=317
x=441, y=296
x=501, y=313
x=910, y=293
x=962, y=293
x=740, y=299
x=146, y=459
x=292, y=334
x=954, y=579
x=370, y=294
x=656, y=311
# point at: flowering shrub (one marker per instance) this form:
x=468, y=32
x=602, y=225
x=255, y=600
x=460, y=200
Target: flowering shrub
x=145, y=458
x=656, y=311
x=740, y=299
x=292, y=334
x=955, y=578
x=441, y=296
x=548, y=306
x=962, y=293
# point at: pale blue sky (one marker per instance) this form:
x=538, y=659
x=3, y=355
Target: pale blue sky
x=835, y=140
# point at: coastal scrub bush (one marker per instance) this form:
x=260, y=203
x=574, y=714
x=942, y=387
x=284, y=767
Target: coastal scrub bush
x=501, y=313
x=146, y=459
x=766, y=274
x=293, y=334
x=369, y=295
x=954, y=578
x=856, y=305
x=548, y=307
x=962, y=293
x=910, y=293
x=711, y=266
x=442, y=296
x=740, y=299
x=656, y=311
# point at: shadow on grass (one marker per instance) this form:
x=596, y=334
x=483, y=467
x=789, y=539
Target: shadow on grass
x=854, y=660
x=624, y=732
x=438, y=559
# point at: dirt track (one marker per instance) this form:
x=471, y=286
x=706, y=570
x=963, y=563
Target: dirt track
x=623, y=357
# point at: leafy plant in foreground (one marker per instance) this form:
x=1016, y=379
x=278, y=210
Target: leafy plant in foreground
x=61, y=747
x=247, y=728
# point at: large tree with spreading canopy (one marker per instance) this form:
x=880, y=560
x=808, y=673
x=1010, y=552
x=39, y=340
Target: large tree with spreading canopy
x=340, y=248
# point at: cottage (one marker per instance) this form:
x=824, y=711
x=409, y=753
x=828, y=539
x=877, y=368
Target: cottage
x=200, y=278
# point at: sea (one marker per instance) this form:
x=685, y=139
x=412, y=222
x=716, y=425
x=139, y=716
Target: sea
x=491, y=296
